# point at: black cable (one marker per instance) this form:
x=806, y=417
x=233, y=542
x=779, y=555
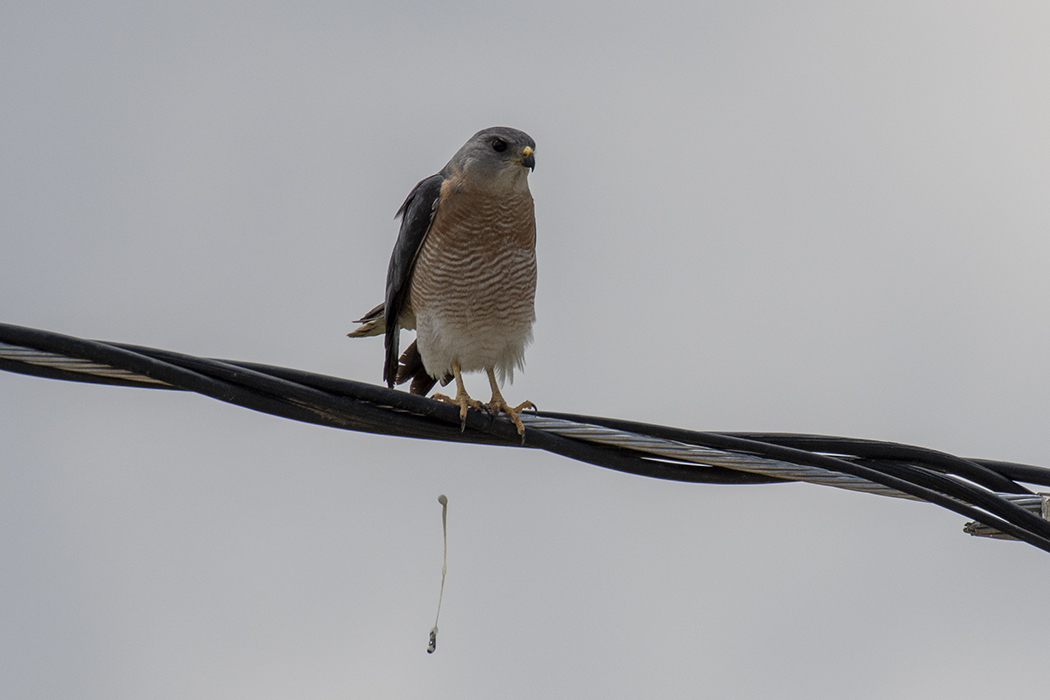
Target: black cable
x=874, y=449
x=1022, y=524
x=357, y=407
x=965, y=486
x=1020, y=472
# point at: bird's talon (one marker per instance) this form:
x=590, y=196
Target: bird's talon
x=496, y=406
x=465, y=403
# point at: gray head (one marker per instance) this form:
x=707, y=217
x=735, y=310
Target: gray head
x=497, y=155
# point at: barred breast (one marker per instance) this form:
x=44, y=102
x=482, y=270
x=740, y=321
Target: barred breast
x=474, y=285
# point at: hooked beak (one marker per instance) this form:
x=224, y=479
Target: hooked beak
x=527, y=159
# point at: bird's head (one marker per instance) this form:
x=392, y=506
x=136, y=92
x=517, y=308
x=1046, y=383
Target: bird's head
x=498, y=156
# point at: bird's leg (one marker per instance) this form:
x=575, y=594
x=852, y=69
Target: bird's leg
x=497, y=404
x=462, y=399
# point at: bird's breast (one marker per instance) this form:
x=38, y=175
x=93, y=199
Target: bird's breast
x=474, y=284
x=477, y=266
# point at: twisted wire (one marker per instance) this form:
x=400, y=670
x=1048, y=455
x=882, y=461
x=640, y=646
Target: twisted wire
x=985, y=490
x=696, y=454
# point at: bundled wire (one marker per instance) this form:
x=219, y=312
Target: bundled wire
x=990, y=492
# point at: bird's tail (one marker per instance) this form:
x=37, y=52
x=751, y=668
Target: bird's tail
x=372, y=323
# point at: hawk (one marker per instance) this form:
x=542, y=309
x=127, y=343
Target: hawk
x=463, y=273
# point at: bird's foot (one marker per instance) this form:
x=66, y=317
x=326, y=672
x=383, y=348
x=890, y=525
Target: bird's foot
x=497, y=404
x=464, y=402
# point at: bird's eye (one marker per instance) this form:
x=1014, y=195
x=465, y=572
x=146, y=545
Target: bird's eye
x=499, y=145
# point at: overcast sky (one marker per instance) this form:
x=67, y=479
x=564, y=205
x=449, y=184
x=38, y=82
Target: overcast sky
x=800, y=217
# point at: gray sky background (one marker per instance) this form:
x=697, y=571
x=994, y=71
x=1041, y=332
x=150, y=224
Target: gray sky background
x=802, y=217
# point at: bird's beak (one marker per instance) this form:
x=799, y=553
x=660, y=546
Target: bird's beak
x=527, y=159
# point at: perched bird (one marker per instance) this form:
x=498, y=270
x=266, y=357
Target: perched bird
x=463, y=273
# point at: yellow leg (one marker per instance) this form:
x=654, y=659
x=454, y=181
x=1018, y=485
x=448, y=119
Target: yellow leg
x=462, y=399
x=497, y=404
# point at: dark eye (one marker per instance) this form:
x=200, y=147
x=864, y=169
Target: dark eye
x=499, y=145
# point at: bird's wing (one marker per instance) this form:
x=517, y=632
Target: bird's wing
x=417, y=215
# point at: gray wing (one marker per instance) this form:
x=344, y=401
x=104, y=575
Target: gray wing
x=417, y=214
